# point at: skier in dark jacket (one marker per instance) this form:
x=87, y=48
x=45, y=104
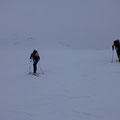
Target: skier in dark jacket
x=116, y=45
x=35, y=57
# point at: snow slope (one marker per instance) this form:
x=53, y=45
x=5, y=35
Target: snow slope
x=77, y=84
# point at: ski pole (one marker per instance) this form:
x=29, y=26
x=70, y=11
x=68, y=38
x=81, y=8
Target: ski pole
x=112, y=55
x=30, y=66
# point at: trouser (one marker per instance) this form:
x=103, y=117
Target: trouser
x=35, y=66
x=118, y=53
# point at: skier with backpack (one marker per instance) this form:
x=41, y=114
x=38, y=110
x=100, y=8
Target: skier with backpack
x=35, y=57
x=116, y=45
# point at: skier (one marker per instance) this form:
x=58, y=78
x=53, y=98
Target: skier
x=116, y=45
x=35, y=57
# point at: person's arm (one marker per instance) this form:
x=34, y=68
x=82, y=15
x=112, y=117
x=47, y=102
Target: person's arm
x=31, y=56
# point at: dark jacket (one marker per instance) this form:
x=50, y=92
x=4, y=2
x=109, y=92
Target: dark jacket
x=116, y=44
x=35, y=56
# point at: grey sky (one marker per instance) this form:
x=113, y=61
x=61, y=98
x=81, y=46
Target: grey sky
x=79, y=23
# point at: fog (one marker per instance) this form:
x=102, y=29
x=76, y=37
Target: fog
x=83, y=24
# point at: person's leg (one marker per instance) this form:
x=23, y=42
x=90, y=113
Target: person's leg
x=35, y=66
x=118, y=54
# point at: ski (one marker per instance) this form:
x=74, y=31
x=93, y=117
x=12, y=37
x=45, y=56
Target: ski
x=34, y=74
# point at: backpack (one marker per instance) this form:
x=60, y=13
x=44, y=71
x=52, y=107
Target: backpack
x=116, y=42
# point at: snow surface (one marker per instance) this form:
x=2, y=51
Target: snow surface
x=77, y=84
